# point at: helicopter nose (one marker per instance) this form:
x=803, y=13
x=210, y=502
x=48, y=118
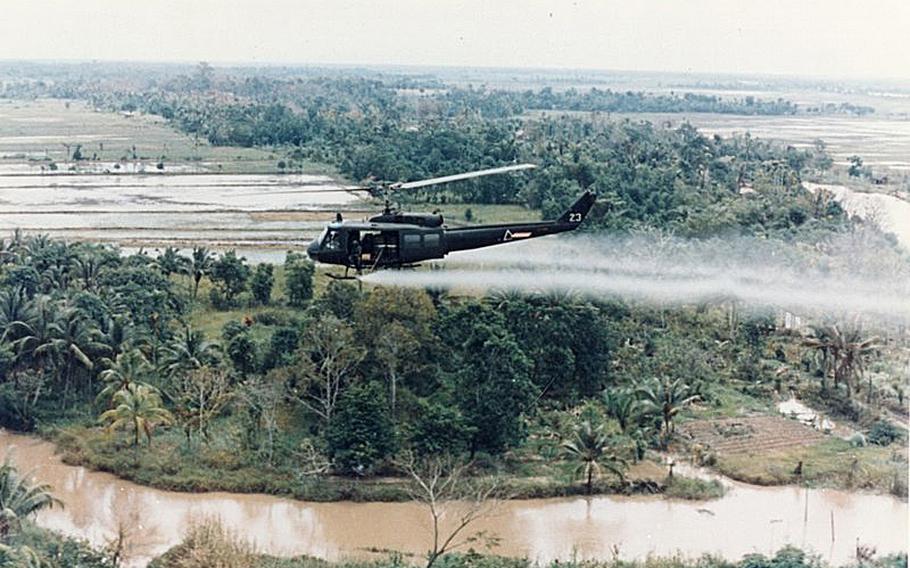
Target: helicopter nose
x=312, y=250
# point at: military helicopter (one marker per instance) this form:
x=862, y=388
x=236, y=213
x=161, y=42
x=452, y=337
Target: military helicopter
x=401, y=239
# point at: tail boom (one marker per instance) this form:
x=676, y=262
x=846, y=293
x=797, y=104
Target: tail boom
x=467, y=238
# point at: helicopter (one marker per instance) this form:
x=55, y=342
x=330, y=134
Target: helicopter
x=396, y=239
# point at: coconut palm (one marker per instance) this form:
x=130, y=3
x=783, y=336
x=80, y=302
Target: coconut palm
x=10, y=250
x=665, y=398
x=843, y=353
x=138, y=408
x=200, y=265
x=36, y=244
x=34, y=333
x=73, y=344
x=127, y=368
x=20, y=498
x=623, y=406
x=821, y=340
x=89, y=263
x=590, y=447
x=854, y=350
x=170, y=261
x=188, y=351
x=14, y=306
x=118, y=335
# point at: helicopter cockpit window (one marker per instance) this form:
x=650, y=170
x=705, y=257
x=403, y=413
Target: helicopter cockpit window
x=332, y=240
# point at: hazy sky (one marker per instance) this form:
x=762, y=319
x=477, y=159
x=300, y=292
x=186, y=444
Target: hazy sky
x=858, y=39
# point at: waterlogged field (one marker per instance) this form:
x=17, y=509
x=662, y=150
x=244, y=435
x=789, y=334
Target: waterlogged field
x=181, y=209
x=120, y=195
x=35, y=132
x=222, y=197
x=882, y=142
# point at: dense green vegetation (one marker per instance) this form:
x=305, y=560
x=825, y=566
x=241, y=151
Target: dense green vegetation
x=310, y=399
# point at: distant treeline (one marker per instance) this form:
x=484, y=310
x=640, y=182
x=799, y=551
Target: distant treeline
x=647, y=175
x=508, y=103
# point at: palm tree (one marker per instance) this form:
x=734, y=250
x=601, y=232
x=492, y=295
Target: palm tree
x=10, y=250
x=200, y=265
x=854, y=350
x=73, y=343
x=843, y=353
x=623, y=406
x=34, y=333
x=19, y=498
x=14, y=306
x=89, y=262
x=138, y=408
x=172, y=262
x=590, y=446
x=188, y=351
x=665, y=398
x=118, y=335
x=128, y=368
x=820, y=339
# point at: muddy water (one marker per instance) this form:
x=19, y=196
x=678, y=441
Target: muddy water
x=748, y=519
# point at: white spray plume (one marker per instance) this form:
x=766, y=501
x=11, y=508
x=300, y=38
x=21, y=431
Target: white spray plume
x=852, y=273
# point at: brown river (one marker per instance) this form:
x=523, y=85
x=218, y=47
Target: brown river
x=748, y=519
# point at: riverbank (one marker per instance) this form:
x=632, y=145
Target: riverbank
x=210, y=544
x=168, y=465
x=831, y=463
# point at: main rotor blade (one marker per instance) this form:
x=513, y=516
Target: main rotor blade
x=459, y=177
x=305, y=191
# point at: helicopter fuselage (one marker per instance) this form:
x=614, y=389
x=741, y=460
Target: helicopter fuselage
x=403, y=239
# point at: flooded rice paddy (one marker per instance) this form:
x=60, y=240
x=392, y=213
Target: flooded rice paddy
x=882, y=142
x=749, y=519
x=252, y=210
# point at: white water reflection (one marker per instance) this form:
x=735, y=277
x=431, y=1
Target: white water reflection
x=252, y=210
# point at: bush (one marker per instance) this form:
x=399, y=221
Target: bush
x=680, y=487
x=361, y=432
x=207, y=544
x=243, y=353
x=340, y=299
x=231, y=329
x=857, y=440
x=439, y=429
x=298, y=279
x=52, y=550
x=261, y=285
x=884, y=433
x=275, y=317
x=282, y=347
x=229, y=275
x=787, y=557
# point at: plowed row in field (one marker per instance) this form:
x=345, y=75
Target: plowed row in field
x=750, y=434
